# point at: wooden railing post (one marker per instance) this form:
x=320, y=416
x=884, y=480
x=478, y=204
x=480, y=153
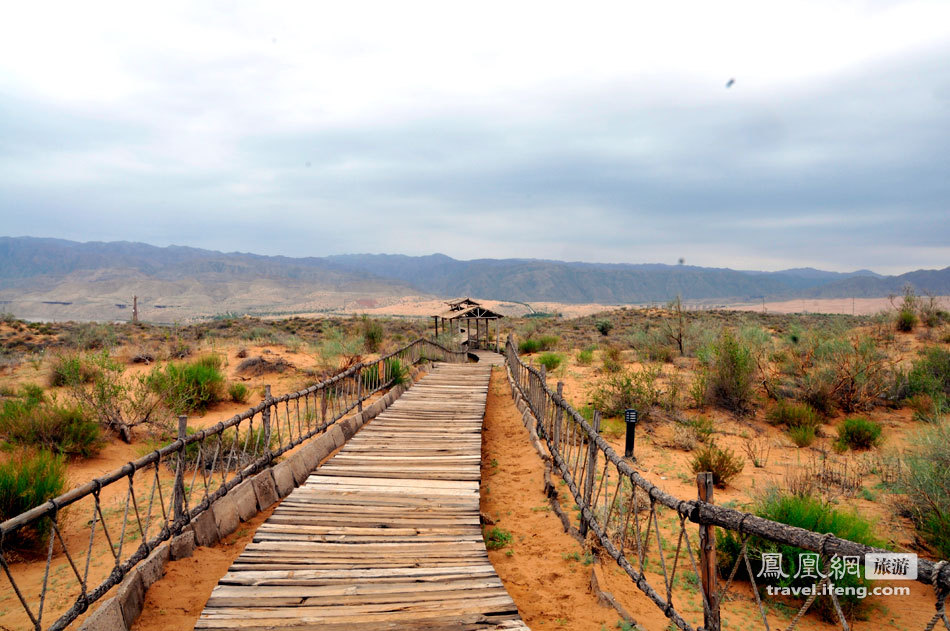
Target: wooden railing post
x=265, y=419
x=558, y=417
x=179, y=494
x=707, y=556
x=359, y=386
x=542, y=412
x=591, y=474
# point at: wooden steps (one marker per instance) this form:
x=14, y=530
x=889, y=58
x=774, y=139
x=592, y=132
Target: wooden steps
x=386, y=534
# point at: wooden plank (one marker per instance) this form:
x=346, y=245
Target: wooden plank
x=386, y=534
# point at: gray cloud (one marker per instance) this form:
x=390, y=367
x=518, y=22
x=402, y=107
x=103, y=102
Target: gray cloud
x=845, y=171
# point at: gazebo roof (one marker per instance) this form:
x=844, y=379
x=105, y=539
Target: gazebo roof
x=467, y=308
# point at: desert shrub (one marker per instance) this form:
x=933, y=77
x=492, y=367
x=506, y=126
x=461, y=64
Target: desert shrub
x=397, y=371
x=811, y=513
x=704, y=428
x=238, y=392
x=261, y=335
x=372, y=334
x=529, y=346
x=930, y=376
x=28, y=479
x=684, y=437
x=924, y=485
x=858, y=433
x=612, y=359
x=119, y=403
x=653, y=345
x=802, y=435
x=628, y=389
x=585, y=357
x=91, y=336
x=698, y=387
x=190, y=386
x=550, y=360
x=496, y=538
x=791, y=414
x=731, y=378
x=69, y=368
x=604, y=326
x=906, y=320
x=33, y=420
x=548, y=342
x=721, y=462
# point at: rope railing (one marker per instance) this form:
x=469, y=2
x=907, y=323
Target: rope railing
x=646, y=530
x=127, y=513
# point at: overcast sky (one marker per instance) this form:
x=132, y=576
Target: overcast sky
x=579, y=131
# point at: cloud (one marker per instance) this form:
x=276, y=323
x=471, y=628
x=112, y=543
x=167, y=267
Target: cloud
x=545, y=131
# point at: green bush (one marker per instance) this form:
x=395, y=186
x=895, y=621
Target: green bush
x=930, y=376
x=33, y=420
x=372, y=334
x=636, y=389
x=585, y=357
x=858, y=433
x=802, y=435
x=396, y=371
x=550, y=360
x=238, y=392
x=190, y=386
x=548, y=342
x=924, y=485
x=791, y=414
x=528, y=346
x=496, y=538
x=731, y=378
x=721, y=462
x=604, y=326
x=28, y=479
x=612, y=359
x=810, y=513
x=906, y=320
x=68, y=369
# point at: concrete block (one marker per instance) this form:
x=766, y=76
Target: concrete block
x=226, y=517
x=300, y=467
x=244, y=500
x=153, y=567
x=131, y=597
x=107, y=617
x=336, y=435
x=283, y=478
x=322, y=446
x=204, y=529
x=183, y=546
x=349, y=427
x=389, y=398
x=264, y=489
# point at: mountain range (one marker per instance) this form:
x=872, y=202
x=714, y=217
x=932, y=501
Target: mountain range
x=57, y=279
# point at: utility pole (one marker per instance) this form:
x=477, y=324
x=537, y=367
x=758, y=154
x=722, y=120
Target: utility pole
x=135, y=308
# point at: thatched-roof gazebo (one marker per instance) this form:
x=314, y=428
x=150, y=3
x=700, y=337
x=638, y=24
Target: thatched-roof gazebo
x=465, y=310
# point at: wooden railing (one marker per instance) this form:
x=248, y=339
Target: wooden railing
x=624, y=512
x=129, y=512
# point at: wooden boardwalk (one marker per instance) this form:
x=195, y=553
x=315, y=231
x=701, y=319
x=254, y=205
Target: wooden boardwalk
x=386, y=534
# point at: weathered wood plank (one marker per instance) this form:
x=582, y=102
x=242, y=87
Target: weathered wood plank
x=386, y=534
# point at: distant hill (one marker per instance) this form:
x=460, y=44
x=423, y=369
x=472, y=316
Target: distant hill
x=58, y=279
x=540, y=280
x=55, y=278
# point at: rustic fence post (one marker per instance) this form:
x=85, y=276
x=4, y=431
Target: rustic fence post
x=540, y=403
x=591, y=473
x=359, y=386
x=707, y=556
x=179, y=497
x=265, y=420
x=558, y=416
